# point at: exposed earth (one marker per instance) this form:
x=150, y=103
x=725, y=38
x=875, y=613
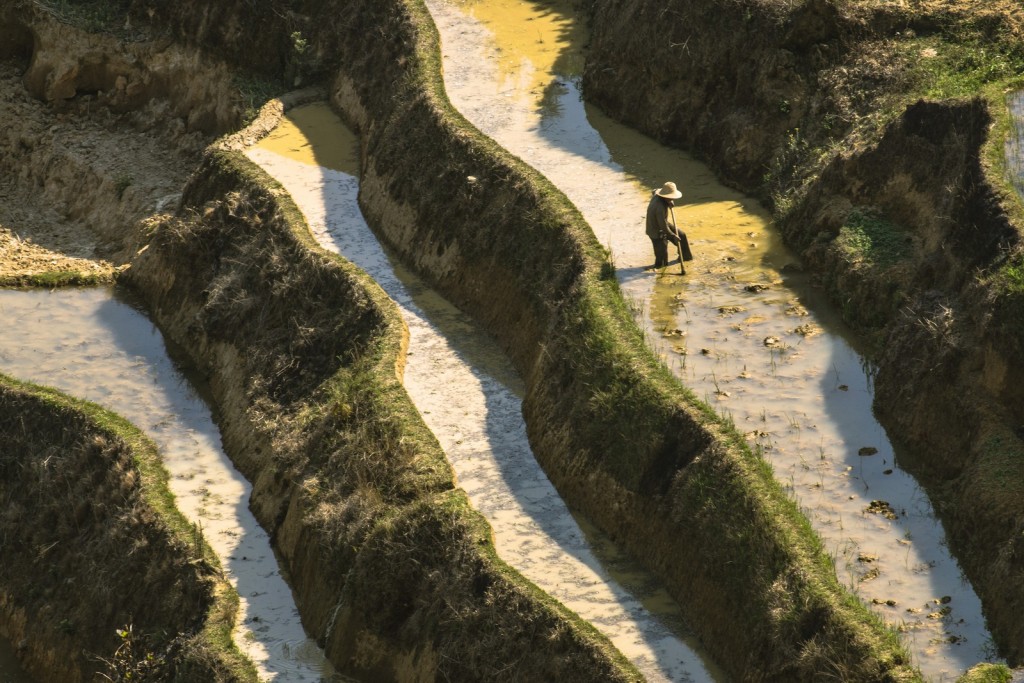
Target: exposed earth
x=42, y=243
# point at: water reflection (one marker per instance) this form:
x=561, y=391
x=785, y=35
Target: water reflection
x=745, y=330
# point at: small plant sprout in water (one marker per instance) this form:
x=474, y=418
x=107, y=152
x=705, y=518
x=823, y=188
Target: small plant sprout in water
x=718, y=389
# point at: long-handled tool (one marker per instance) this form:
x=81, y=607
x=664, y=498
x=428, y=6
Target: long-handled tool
x=679, y=248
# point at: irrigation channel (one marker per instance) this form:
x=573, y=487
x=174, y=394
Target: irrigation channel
x=744, y=328
x=470, y=397
x=95, y=344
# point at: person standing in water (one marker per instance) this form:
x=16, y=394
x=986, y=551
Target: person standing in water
x=660, y=229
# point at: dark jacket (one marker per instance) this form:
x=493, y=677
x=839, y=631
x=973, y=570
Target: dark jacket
x=657, y=218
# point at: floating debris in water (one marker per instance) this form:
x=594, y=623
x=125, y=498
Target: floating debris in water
x=772, y=342
x=808, y=330
x=867, y=450
x=797, y=310
x=729, y=310
x=881, y=507
x=757, y=288
x=870, y=575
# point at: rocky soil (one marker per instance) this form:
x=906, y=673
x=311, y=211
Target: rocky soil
x=40, y=236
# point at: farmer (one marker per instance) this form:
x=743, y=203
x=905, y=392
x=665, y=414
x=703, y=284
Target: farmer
x=659, y=229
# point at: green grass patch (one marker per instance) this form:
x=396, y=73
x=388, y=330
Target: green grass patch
x=253, y=92
x=1014, y=274
x=987, y=673
x=52, y=279
x=946, y=69
x=866, y=235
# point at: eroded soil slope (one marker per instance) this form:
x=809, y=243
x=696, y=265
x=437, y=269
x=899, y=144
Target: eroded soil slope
x=74, y=180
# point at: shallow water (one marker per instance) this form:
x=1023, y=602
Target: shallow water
x=93, y=344
x=470, y=397
x=744, y=329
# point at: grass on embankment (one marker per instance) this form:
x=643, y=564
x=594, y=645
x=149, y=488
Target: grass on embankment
x=133, y=589
x=391, y=567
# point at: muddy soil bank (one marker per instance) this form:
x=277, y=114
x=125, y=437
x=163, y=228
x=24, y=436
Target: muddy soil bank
x=391, y=569
x=79, y=165
x=898, y=206
x=92, y=545
x=694, y=505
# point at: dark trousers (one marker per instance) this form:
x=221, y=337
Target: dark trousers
x=661, y=249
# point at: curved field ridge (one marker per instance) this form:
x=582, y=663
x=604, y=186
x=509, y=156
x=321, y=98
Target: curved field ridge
x=85, y=491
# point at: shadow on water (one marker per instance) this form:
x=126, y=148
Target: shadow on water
x=480, y=425
x=534, y=38
x=780, y=363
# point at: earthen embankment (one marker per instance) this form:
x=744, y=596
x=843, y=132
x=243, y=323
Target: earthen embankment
x=100, y=570
x=391, y=568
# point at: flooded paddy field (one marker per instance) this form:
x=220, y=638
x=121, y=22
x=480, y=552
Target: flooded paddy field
x=95, y=344
x=744, y=328
x=470, y=397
